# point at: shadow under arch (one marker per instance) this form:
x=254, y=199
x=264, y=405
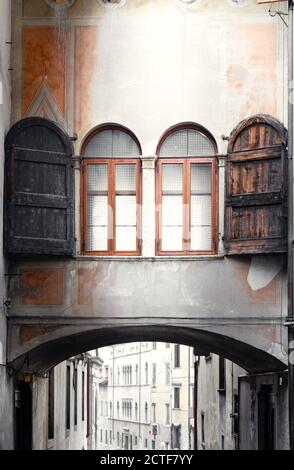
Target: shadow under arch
x=47, y=355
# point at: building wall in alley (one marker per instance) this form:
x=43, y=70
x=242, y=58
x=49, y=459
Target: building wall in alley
x=6, y=393
x=60, y=413
x=218, y=403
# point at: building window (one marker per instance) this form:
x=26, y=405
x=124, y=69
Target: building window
x=222, y=375
x=106, y=436
x=167, y=414
x=111, y=193
x=117, y=410
x=51, y=404
x=137, y=374
x=110, y=409
x=167, y=374
x=68, y=389
x=203, y=429
x=153, y=445
x=187, y=192
x=146, y=374
x=146, y=443
x=83, y=396
x=154, y=412
x=153, y=374
x=101, y=436
x=110, y=437
x=177, y=357
x=117, y=438
x=146, y=412
x=136, y=411
x=177, y=397
x=177, y=437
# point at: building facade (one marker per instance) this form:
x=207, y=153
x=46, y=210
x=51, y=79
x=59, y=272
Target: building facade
x=146, y=395
x=146, y=198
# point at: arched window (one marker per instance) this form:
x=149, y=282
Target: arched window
x=111, y=192
x=187, y=192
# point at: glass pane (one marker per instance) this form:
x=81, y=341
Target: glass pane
x=187, y=143
x=199, y=145
x=125, y=178
x=172, y=211
x=201, y=179
x=97, y=238
x=112, y=143
x=100, y=145
x=201, y=210
x=97, y=210
x=126, y=239
x=97, y=178
x=97, y=223
x=172, y=239
x=172, y=178
x=126, y=210
x=201, y=238
x=124, y=145
x=176, y=145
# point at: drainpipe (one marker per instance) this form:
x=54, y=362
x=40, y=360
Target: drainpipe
x=196, y=367
x=290, y=322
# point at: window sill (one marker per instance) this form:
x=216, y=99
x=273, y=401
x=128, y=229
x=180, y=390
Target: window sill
x=149, y=258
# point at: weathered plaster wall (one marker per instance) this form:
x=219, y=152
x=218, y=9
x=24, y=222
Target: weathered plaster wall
x=217, y=407
x=64, y=439
x=6, y=395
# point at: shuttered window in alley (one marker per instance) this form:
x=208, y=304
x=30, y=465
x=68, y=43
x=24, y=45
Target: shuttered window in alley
x=39, y=190
x=256, y=188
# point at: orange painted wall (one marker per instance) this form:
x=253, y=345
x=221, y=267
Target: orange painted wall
x=43, y=60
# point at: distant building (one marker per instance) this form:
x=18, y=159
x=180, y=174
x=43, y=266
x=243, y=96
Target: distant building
x=146, y=397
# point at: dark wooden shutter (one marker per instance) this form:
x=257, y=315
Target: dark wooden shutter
x=256, y=188
x=39, y=189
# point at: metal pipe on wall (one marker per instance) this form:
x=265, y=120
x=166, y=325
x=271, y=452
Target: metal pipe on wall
x=290, y=322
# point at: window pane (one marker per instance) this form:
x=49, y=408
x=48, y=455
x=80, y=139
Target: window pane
x=112, y=143
x=97, y=178
x=201, y=211
x=125, y=178
x=201, y=238
x=172, y=211
x=200, y=179
x=187, y=143
x=97, y=238
x=100, y=145
x=172, y=207
x=176, y=145
x=172, y=238
x=199, y=145
x=124, y=145
x=126, y=223
x=98, y=210
x=201, y=234
x=172, y=178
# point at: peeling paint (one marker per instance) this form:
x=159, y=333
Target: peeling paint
x=263, y=270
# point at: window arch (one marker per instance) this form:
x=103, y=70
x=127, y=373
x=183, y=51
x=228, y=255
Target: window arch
x=111, y=192
x=186, y=191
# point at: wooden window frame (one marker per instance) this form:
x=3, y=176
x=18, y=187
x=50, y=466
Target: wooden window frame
x=187, y=162
x=111, y=162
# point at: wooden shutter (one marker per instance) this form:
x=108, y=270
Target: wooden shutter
x=256, y=188
x=39, y=189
